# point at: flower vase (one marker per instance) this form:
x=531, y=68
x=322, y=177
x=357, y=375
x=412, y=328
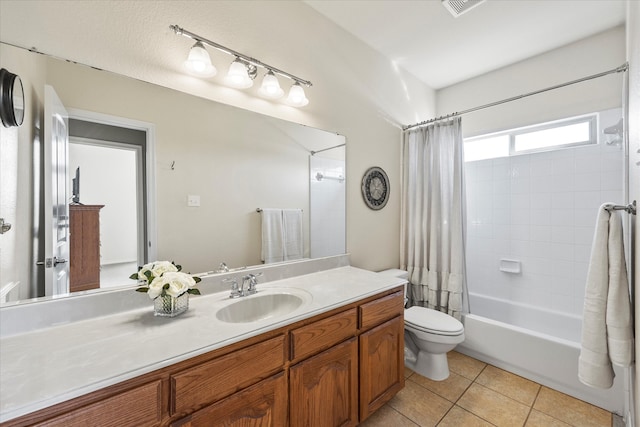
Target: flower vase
x=168, y=306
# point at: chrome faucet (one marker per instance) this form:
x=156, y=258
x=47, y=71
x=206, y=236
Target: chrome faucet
x=253, y=281
x=235, y=291
x=239, y=289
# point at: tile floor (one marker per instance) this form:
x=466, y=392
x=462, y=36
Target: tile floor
x=478, y=394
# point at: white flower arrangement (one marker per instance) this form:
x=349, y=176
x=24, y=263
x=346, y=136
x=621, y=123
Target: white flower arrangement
x=162, y=278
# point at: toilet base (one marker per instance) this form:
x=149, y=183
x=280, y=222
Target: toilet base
x=433, y=366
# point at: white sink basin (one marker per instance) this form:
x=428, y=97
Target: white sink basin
x=263, y=305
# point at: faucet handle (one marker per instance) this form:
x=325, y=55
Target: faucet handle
x=253, y=281
x=235, y=291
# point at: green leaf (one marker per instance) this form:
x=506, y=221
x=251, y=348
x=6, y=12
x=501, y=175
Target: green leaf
x=179, y=267
x=197, y=279
x=149, y=276
x=134, y=276
x=194, y=291
x=142, y=289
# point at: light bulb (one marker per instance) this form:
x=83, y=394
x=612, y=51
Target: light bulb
x=296, y=96
x=199, y=63
x=238, y=75
x=270, y=86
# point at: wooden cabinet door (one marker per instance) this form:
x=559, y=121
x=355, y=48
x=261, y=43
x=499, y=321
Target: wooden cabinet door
x=381, y=365
x=261, y=405
x=323, y=390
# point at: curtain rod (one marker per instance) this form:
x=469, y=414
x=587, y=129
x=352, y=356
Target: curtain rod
x=313, y=153
x=619, y=69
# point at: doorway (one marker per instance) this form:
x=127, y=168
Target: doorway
x=110, y=157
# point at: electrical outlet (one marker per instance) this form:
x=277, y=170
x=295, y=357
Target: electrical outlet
x=193, y=200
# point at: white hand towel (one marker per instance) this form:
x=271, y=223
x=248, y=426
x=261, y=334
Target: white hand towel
x=272, y=236
x=594, y=366
x=604, y=307
x=619, y=322
x=293, y=234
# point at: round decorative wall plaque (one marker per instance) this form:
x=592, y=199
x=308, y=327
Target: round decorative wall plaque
x=375, y=188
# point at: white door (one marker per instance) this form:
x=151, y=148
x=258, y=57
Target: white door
x=56, y=200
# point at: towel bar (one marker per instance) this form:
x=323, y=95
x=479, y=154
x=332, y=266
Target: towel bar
x=630, y=208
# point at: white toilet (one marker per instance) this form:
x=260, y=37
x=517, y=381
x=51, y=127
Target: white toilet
x=428, y=336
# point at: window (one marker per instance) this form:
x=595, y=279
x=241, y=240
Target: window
x=531, y=139
x=486, y=148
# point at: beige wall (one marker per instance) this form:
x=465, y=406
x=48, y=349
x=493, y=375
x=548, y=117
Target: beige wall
x=592, y=55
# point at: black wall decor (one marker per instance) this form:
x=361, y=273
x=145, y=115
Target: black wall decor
x=375, y=188
x=11, y=99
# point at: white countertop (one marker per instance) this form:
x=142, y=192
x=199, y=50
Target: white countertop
x=45, y=367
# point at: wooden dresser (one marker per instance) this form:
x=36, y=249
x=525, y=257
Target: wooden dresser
x=84, y=248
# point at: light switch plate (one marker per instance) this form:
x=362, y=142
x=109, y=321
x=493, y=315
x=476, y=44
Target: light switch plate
x=193, y=200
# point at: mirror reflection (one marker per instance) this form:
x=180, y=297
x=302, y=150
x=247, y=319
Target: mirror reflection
x=171, y=176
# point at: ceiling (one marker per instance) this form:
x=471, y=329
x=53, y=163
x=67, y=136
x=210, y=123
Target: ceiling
x=423, y=38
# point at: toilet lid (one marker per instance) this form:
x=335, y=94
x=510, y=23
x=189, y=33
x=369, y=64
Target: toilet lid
x=432, y=321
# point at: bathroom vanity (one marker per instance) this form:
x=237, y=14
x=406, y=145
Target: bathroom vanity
x=331, y=362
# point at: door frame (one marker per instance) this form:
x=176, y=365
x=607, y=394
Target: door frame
x=150, y=168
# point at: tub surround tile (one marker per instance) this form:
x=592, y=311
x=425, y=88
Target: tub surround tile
x=571, y=410
x=508, y=384
x=420, y=405
x=538, y=419
x=464, y=365
x=458, y=417
x=548, y=202
x=451, y=388
x=493, y=406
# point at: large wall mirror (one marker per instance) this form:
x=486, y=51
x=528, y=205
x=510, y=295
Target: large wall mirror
x=212, y=167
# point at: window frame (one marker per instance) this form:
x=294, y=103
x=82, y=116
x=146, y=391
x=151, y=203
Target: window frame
x=591, y=119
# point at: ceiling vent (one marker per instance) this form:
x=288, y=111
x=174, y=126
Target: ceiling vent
x=458, y=7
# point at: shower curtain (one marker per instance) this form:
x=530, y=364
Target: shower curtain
x=432, y=221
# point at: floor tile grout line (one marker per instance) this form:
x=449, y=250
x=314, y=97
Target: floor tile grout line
x=404, y=416
x=474, y=381
x=533, y=404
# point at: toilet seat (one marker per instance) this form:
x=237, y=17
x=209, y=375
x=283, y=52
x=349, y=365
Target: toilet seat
x=432, y=321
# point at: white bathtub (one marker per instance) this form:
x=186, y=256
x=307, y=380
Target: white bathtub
x=539, y=356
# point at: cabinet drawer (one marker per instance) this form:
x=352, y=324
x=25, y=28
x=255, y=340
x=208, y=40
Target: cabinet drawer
x=323, y=334
x=221, y=377
x=375, y=312
x=137, y=407
x=263, y=404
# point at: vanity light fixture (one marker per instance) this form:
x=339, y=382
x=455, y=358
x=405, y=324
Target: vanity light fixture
x=199, y=63
x=296, y=97
x=270, y=86
x=238, y=75
x=243, y=70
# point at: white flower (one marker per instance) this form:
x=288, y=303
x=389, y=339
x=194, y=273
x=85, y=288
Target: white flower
x=155, y=287
x=178, y=282
x=157, y=269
